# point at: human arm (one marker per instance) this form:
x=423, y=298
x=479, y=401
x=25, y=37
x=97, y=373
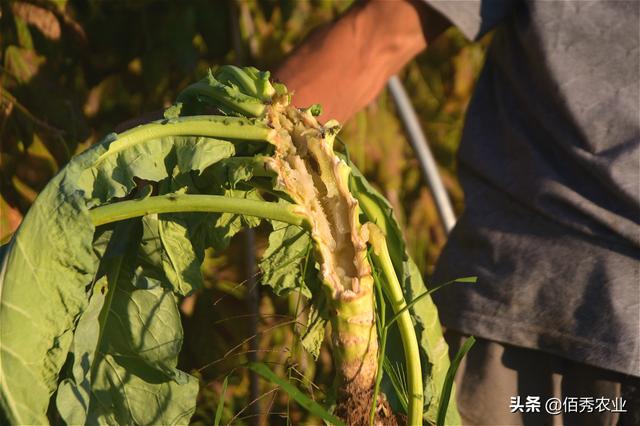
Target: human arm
x=344, y=65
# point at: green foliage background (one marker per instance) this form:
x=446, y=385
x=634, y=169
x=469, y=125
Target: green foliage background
x=72, y=70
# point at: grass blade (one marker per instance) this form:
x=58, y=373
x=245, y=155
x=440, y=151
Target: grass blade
x=428, y=292
x=295, y=393
x=448, y=381
x=399, y=382
x=382, y=331
x=216, y=422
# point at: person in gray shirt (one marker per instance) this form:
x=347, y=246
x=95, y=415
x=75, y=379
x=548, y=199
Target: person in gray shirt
x=549, y=162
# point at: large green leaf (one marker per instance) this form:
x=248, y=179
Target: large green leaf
x=50, y=262
x=153, y=160
x=37, y=317
x=433, y=348
x=126, y=347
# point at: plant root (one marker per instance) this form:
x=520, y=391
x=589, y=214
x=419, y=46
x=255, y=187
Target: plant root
x=354, y=407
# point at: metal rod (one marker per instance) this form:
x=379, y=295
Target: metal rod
x=419, y=143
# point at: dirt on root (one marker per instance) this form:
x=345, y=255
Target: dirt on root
x=355, y=408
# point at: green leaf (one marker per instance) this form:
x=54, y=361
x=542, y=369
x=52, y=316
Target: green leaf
x=35, y=336
x=74, y=394
x=288, y=265
x=250, y=80
x=152, y=160
x=183, y=238
x=151, y=253
x=216, y=421
x=23, y=63
x=313, y=336
x=24, y=35
x=231, y=171
x=126, y=347
x=50, y=258
x=228, y=224
x=447, y=386
x=173, y=111
x=136, y=372
x=235, y=76
x=227, y=98
x=434, y=347
x=283, y=263
x=305, y=402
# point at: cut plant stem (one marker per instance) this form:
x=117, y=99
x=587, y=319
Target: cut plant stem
x=317, y=180
x=212, y=126
x=394, y=293
x=172, y=203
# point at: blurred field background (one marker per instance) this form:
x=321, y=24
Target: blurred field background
x=71, y=70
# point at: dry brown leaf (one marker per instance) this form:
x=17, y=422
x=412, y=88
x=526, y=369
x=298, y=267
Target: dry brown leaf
x=44, y=20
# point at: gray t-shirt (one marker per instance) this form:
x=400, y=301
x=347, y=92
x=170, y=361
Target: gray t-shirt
x=549, y=162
